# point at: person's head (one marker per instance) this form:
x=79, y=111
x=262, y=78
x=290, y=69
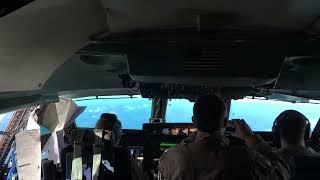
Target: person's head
x=291, y=126
x=209, y=113
x=110, y=122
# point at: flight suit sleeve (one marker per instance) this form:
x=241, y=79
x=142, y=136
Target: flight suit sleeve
x=173, y=165
x=269, y=163
x=137, y=171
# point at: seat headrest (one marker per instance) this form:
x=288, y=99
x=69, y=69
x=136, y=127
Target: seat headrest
x=307, y=162
x=83, y=136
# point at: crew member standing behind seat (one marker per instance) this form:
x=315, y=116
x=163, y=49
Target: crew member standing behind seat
x=292, y=128
x=209, y=154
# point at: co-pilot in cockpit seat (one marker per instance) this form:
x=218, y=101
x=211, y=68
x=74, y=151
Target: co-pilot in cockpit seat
x=94, y=155
x=291, y=130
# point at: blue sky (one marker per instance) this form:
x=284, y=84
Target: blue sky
x=259, y=114
x=132, y=112
x=179, y=110
x=4, y=120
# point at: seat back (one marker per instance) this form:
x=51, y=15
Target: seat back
x=306, y=167
x=48, y=170
x=68, y=166
x=88, y=151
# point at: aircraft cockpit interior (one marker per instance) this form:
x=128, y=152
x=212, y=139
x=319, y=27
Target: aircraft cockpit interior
x=150, y=138
x=92, y=88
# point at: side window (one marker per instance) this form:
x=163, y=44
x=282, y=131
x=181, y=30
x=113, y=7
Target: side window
x=260, y=114
x=4, y=120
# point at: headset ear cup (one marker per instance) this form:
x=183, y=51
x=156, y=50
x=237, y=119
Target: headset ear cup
x=276, y=135
x=276, y=132
x=307, y=133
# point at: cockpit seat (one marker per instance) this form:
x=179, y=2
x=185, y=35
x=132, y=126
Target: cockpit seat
x=90, y=152
x=306, y=167
x=48, y=170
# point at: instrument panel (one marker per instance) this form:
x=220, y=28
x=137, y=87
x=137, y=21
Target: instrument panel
x=147, y=145
x=173, y=129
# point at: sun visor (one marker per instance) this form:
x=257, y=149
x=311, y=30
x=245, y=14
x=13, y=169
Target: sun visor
x=213, y=61
x=41, y=36
x=28, y=147
x=58, y=115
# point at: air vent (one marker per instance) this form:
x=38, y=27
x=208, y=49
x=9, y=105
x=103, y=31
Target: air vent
x=208, y=60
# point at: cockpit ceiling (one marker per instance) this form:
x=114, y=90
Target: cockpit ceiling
x=48, y=45
x=39, y=37
x=127, y=15
x=44, y=34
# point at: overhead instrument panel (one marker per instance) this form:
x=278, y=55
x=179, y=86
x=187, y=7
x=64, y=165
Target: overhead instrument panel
x=215, y=58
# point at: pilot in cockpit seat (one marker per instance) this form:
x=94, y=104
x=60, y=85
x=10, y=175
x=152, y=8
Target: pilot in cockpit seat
x=291, y=131
x=209, y=154
x=111, y=166
x=124, y=167
x=97, y=155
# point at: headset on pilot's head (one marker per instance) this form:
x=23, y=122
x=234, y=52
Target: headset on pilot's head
x=116, y=127
x=276, y=126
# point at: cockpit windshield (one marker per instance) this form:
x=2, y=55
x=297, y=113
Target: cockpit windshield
x=179, y=111
x=132, y=112
x=260, y=114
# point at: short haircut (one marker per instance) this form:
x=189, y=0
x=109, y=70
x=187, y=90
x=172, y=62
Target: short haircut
x=106, y=121
x=208, y=113
x=292, y=126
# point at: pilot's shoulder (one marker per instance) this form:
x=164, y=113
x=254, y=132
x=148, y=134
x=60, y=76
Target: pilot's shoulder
x=176, y=149
x=178, y=152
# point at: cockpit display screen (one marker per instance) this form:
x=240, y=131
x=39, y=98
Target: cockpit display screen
x=172, y=129
x=178, y=131
x=166, y=145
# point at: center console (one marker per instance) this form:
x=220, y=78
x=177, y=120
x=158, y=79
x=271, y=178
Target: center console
x=158, y=138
